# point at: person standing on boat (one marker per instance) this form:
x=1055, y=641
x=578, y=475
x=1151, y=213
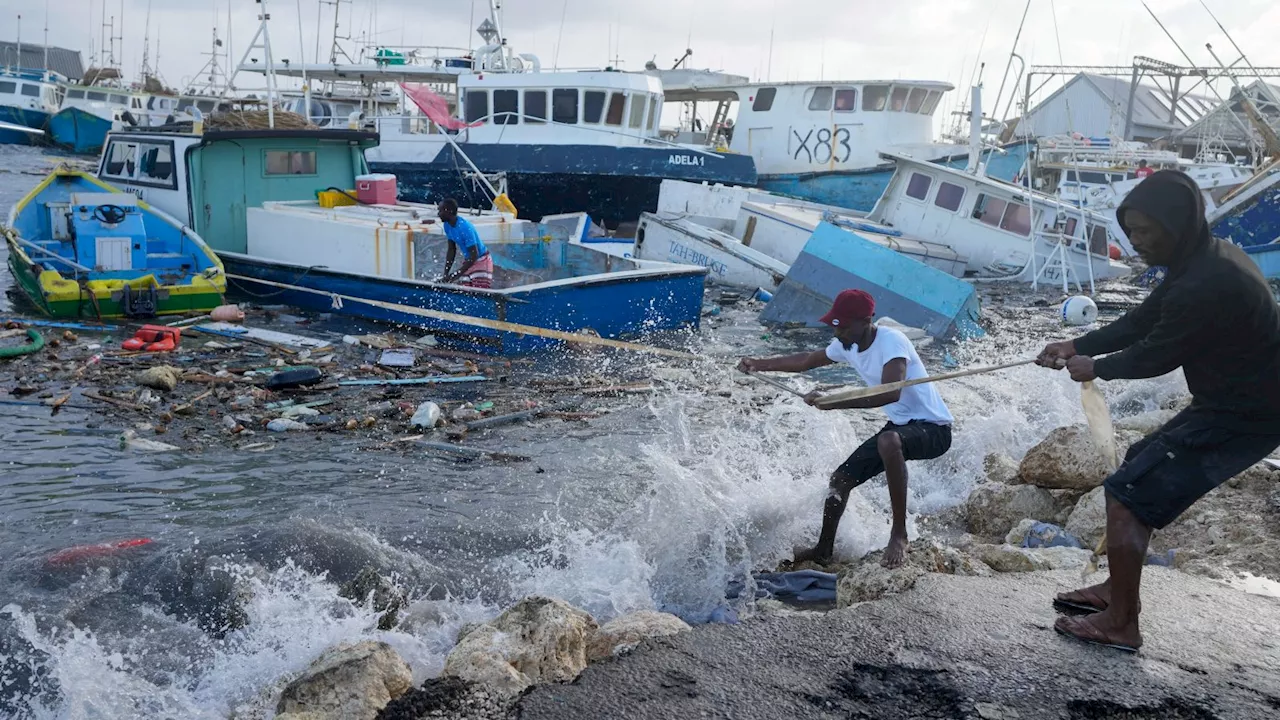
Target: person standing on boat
x=1213, y=316
x=1144, y=171
x=919, y=426
x=477, y=263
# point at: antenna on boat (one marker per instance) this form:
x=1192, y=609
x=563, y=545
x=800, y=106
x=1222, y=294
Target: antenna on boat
x=1013, y=53
x=262, y=41
x=46, y=39
x=302, y=52
x=19, y=41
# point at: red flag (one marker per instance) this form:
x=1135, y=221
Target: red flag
x=434, y=107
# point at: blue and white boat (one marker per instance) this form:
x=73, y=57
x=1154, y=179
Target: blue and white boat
x=253, y=193
x=820, y=140
x=27, y=99
x=1250, y=215
x=561, y=141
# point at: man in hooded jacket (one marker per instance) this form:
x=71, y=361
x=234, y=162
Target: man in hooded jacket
x=1213, y=316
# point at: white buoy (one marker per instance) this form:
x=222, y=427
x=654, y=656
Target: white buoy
x=1079, y=310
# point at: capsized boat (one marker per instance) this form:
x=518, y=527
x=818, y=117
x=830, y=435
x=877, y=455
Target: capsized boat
x=81, y=248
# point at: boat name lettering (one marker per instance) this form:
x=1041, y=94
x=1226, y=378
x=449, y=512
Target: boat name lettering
x=693, y=257
x=686, y=160
x=828, y=146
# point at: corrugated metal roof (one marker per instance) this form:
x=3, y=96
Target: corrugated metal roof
x=61, y=60
x=1151, y=103
x=1219, y=120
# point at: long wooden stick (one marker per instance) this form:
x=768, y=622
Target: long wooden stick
x=482, y=322
x=840, y=396
x=770, y=381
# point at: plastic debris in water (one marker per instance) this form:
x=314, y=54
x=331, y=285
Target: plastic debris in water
x=84, y=552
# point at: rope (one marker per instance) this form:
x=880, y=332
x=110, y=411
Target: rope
x=265, y=296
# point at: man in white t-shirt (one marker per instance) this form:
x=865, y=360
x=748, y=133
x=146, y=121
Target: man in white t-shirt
x=919, y=425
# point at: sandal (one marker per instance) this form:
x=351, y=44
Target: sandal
x=1087, y=632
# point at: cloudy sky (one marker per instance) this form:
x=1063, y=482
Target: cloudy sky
x=771, y=39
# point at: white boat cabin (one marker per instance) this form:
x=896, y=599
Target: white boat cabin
x=801, y=127
x=1004, y=230
x=30, y=90
x=548, y=108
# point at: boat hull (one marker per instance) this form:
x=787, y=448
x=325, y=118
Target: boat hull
x=1267, y=257
x=27, y=118
x=860, y=189
x=611, y=306
x=612, y=184
x=905, y=289
x=78, y=130
x=1252, y=218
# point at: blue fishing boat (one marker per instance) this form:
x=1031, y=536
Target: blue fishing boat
x=1250, y=215
x=289, y=226
x=81, y=248
x=27, y=99
x=80, y=130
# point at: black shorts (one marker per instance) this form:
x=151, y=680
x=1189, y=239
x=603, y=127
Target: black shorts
x=1166, y=472
x=921, y=440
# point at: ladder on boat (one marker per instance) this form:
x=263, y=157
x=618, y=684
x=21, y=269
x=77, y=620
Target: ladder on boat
x=718, y=122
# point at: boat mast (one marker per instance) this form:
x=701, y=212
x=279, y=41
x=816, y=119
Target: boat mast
x=262, y=41
x=19, y=41
x=46, y=40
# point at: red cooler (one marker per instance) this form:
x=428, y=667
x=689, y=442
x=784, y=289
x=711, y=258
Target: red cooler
x=376, y=189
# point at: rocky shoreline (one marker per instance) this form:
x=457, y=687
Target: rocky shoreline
x=963, y=630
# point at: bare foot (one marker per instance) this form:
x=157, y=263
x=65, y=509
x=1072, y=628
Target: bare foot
x=812, y=555
x=895, y=553
x=1102, y=629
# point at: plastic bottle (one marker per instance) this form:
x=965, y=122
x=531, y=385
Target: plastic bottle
x=426, y=416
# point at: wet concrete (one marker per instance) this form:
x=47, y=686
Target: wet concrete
x=956, y=648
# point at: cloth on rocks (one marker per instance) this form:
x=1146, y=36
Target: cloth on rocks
x=802, y=586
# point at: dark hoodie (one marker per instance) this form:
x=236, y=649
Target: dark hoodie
x=1213, y=315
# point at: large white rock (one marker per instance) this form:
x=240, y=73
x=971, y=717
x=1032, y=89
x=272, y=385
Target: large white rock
x=1067, y=458
x=991, y=510
x=1088, y=521
x=869, y=581
x=623, y=633
x=537, y=640
x=1007, y=558
x=348, y=682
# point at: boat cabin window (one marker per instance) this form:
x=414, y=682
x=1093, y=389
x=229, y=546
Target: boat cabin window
x=1095, y=178
x=592, y=106
x=506, y=107
x=931, y=102
x=617, y=104
x=155, y=163
x=75, y=94
x=120, y=99
x=654, y=104
x=820, y=99
x=846, y=99
x=1017, y=219
x=100, y=96
x=918, y=186
x=121, y=160
x=1097, y=239
x=30, y=90
x=294, y=162
x=898, y=100
x=535, y=106
x=137, y=103
x=1070, y=229
x=7, y=88
x=637, y=111
x=916, y=100
x=875, y=97
x=949, y=196
x=763, y=101
x=477, y=105
x=564, y=106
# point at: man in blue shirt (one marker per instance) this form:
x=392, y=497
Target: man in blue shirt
x=477, y=263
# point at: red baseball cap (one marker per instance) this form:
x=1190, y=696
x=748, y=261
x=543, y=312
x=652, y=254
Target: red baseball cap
x=850, y=305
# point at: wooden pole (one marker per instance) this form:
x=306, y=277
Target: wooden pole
x=826, y=401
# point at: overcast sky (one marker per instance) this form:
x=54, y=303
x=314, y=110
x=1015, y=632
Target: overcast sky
x=771, y=39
